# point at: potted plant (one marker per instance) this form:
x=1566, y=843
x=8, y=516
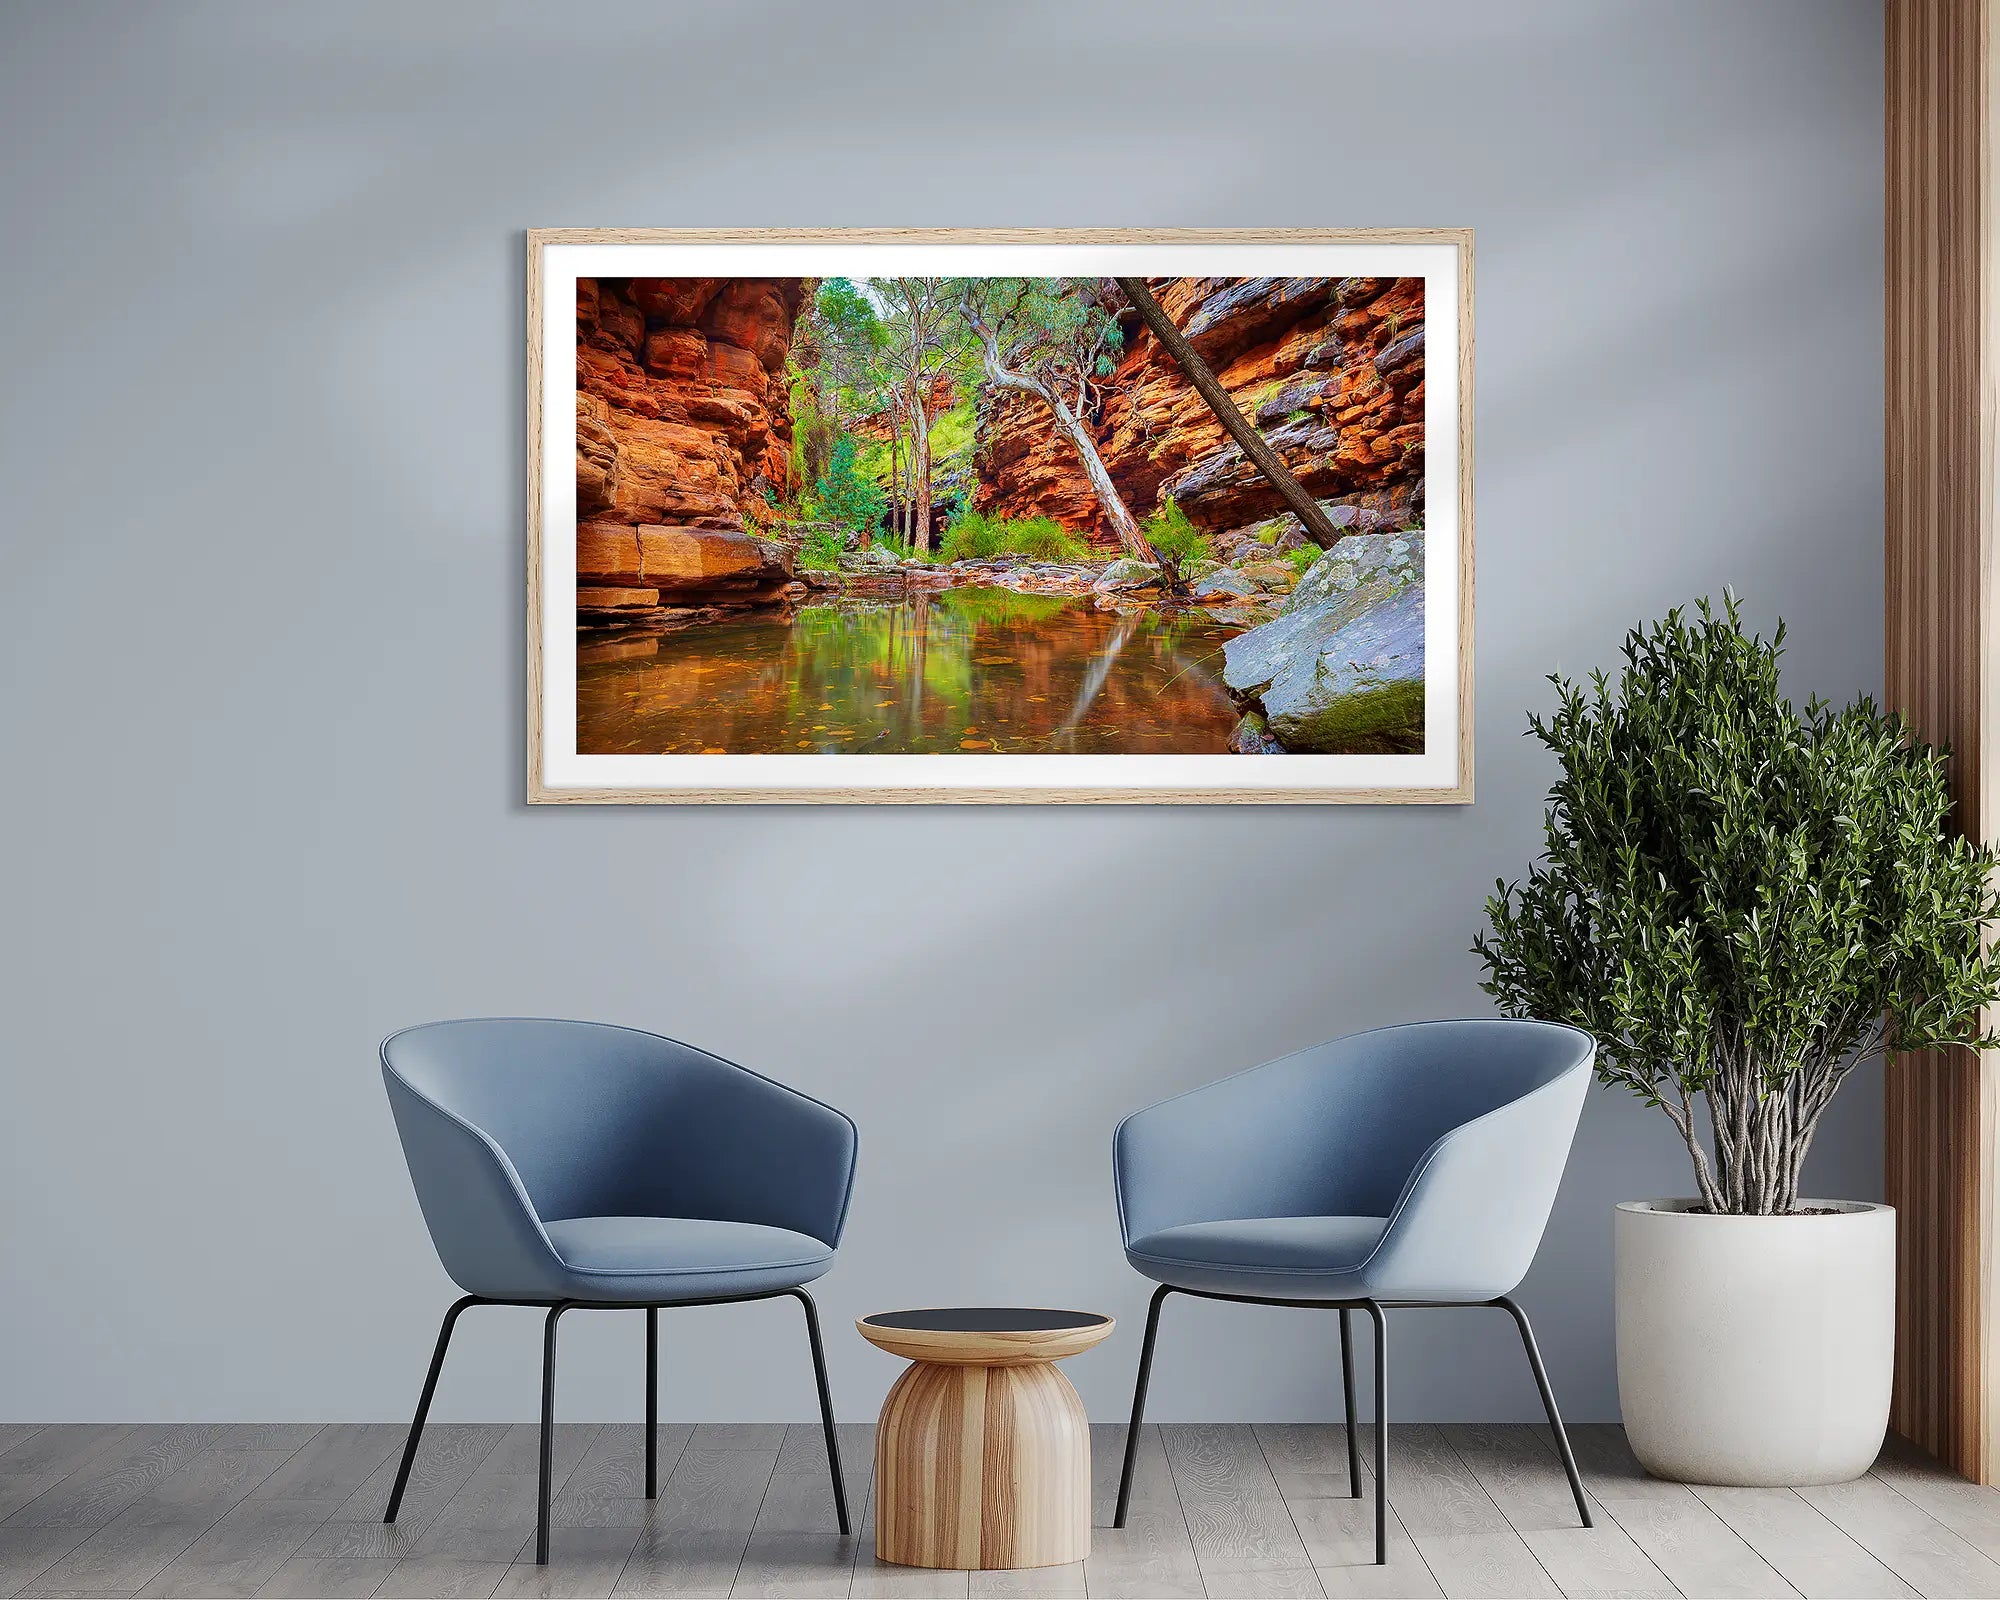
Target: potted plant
x=1743, y=901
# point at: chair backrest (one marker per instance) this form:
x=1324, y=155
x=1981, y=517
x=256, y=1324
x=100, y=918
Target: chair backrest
x=1338, y=1129
x=559, y=1119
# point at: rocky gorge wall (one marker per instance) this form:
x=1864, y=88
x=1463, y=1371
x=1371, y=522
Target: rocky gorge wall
x=1330, y=369
x=682, y=420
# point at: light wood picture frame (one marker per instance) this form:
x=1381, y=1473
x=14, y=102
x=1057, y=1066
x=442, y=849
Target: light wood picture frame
x=710, y=619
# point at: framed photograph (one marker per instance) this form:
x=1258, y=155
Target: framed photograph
x=1037, y=515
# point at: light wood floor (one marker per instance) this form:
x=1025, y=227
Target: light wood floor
x=746, y=1510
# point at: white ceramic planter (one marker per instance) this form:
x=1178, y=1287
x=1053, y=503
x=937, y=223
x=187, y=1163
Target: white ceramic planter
x=1755, y=1350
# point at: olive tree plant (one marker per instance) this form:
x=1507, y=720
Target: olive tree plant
x=1740, y=899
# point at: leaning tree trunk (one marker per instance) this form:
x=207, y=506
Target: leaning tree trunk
x=1241, y=429
x=1123, y=523
x=1130, y=536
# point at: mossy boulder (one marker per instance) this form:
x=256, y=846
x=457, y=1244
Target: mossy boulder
x=1221, y=588
x=1278, y=577
x=1126, y=575
x=1250, y=737
x=1340, y=671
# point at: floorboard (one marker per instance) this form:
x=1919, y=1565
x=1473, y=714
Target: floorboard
x=158, y=1511
x=449, y=1455
x=1801, y=1545
x=328, y=1578
x=1697, y=1551
x=1235, y=1515
x=694, y=1541
x=1152, y=1555
x=1906, y=1539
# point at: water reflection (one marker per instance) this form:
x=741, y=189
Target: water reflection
x=964, y=670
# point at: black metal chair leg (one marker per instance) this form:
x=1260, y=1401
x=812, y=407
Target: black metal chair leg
x=1549, y=1405
x=1381, y=1432
x=1139, y=1405
x=825, y=1408
x=424, y=1404
x=548, y=1432
x=652, y=1400
x=1347, y=1400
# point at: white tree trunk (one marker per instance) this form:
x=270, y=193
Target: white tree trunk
x=920, y=468
x=1123, y=523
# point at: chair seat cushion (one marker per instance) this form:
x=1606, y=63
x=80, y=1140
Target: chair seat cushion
x=682, y=1258
x=1287, y=1258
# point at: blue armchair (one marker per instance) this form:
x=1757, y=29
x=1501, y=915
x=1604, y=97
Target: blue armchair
x=573, y=1166
x=1409, y=1166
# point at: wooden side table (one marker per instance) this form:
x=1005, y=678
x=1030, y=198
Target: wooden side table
x=982, y=1458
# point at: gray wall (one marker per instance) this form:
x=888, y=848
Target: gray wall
x=261, y=466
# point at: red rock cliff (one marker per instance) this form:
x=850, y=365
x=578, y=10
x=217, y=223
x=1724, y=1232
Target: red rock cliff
x=681, y=421
x=681, y=413
x=1330, y=369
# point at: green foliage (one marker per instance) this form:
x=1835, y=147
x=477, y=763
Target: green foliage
x=953, y=435
x=872, y=461
x=848, y=314
x=1044, y=539
x=1175, y=537
x=970, y=536
x=1054, y=330
x=1299, y=414
x=1303, y=557
x=974, y=536
x=1739, y=898
x=831, y=372
x=813, y=431
x=844, y=494
x=822, y=550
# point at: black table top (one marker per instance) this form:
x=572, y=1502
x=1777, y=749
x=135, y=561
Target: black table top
x=986, y=1319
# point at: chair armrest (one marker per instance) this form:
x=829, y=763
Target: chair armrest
x=1471, y=1217
x=1261, y=1144
x=733, y=1145
x=480, y=1217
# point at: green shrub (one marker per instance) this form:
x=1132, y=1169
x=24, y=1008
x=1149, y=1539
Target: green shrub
x=845, y=494
x=1302, y=559
x=1741, y=898
x=974, y=536
x=970, y=536
x=1044, y=539
x=822, y=550
x=1176, y=538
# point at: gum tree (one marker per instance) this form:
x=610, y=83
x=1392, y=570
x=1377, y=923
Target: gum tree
x=1055, y=339
x=921, y=333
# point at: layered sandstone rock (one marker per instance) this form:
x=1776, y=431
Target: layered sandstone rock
x=682, y=422
x=626, y=571
x=1331, y=371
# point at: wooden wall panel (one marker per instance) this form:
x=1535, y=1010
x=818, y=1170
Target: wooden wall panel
x=1939, y=672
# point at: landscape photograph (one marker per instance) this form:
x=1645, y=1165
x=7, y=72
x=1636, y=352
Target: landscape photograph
x=985, y=516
